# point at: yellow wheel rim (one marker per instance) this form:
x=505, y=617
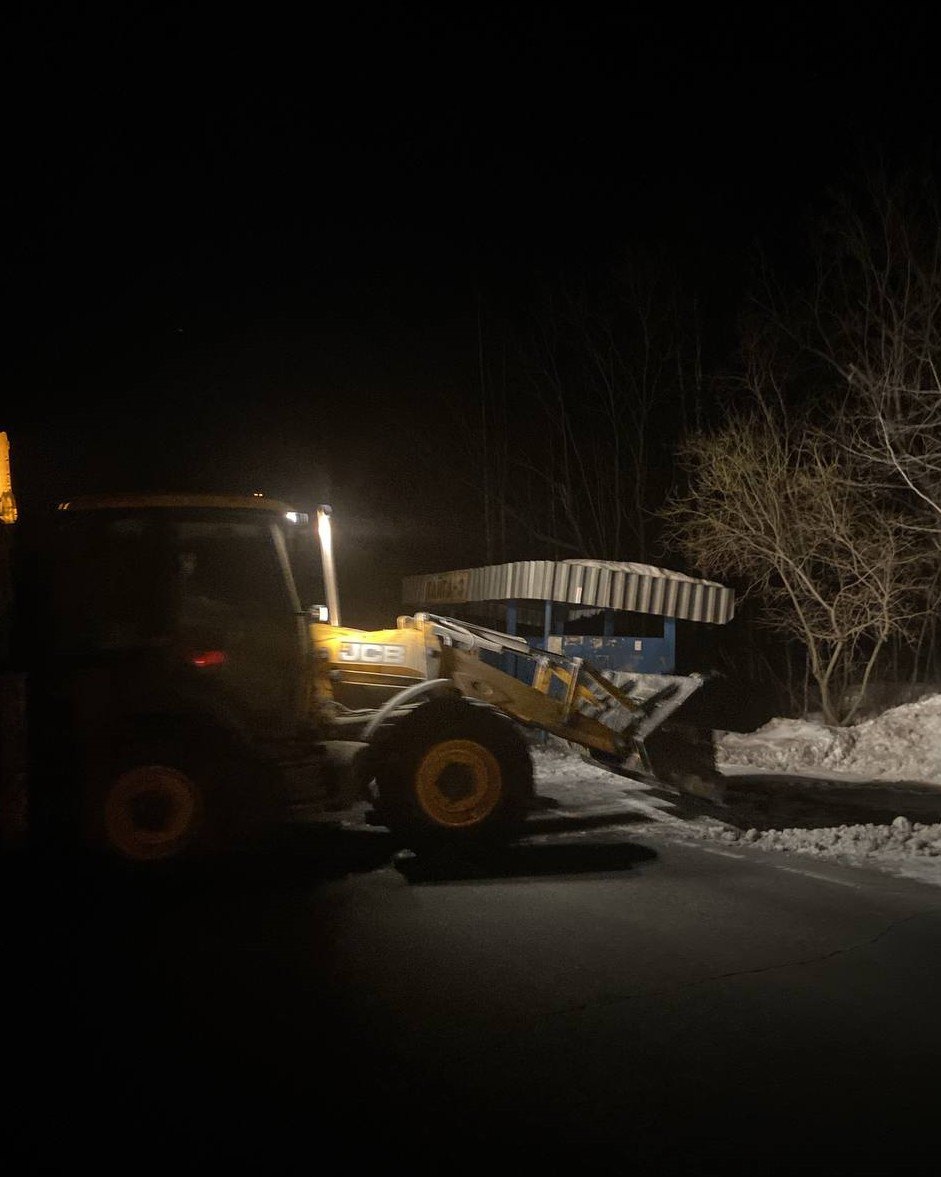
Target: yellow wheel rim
x=149, y=812
x=458, y=783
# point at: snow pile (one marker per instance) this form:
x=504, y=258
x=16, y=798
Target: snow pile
x=914, y=837
x=563, y=771
x=904, y=743
x=910, y=849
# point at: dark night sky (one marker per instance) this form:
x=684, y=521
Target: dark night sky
x=247, y=252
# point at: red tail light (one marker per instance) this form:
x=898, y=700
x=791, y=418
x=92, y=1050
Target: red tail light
x=207, y=657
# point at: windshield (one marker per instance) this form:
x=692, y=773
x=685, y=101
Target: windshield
x=303, y=552
x=126, y=577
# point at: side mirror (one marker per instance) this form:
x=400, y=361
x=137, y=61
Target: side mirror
x=318, y=613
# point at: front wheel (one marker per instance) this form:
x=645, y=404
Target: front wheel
x=454, y=772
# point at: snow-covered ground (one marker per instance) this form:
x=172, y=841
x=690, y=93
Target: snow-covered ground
x=902, y=744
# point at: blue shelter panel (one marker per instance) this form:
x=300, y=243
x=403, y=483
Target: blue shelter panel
x=579, y=608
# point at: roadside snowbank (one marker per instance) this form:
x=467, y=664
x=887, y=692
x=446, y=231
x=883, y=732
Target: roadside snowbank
x=910, y=849
x=901, y=744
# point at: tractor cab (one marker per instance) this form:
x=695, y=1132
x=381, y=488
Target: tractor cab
x=185, y=602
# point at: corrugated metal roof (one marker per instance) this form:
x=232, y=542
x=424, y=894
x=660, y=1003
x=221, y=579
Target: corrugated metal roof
x=600, y=584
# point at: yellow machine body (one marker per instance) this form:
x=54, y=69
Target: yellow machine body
x=360, y=669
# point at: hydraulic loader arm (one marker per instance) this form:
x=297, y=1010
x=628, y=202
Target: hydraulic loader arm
x=564, y=696
x=609, y=716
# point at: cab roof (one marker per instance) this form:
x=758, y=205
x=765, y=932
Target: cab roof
x=176, y=502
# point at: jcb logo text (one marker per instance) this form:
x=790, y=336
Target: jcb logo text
x=368, y=652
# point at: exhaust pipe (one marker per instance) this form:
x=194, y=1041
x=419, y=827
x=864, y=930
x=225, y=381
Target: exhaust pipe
x=325, y=531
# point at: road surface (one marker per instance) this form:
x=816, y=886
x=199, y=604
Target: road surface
x=600, y=997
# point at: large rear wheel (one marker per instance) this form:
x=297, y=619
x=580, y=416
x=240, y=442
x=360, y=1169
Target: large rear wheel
x=173, y=797
x=454, y=772
x=152, y=812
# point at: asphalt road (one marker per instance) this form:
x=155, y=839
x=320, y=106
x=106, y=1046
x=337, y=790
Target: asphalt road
x=597, y=998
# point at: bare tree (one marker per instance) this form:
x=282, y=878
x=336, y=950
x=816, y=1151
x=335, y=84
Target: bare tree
x=873, y=317
x=566, y=439
x=611, y=381
x=834, y=564
x=866, y=334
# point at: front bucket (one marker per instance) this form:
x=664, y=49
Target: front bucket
x=683, y=756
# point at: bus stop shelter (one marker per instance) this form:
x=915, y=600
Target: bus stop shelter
x=627, y=612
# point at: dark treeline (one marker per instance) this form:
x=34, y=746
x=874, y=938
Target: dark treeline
x=626, y=419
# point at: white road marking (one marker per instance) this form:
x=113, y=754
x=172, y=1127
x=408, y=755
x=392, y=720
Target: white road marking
x=811, y=874
x=792, y=870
